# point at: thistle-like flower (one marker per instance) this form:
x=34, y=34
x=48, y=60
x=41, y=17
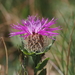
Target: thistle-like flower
x=33, y=29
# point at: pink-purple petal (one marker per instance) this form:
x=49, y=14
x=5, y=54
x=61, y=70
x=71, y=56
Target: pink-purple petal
x=53, y=21
x=34, y=25
x=16, y=33
x=25, y=36
x=52, y=29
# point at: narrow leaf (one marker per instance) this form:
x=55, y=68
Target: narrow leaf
x=42, y=64
x=43, y=72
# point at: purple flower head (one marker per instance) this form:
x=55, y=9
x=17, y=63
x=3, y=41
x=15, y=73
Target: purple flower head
x=33, y=25
x=34, y=31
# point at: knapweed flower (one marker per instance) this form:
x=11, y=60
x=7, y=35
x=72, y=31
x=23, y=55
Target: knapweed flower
x=33, y=29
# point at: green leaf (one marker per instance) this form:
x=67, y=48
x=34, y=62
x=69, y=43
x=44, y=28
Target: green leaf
x=26, y=52
x=36, y=59
x=42, y=64
x=43, y=72
x=39, y=53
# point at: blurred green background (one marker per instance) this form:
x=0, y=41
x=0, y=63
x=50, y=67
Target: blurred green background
x=62, y=53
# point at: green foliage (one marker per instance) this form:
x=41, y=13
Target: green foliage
x=43, y=72
x=42, y=64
